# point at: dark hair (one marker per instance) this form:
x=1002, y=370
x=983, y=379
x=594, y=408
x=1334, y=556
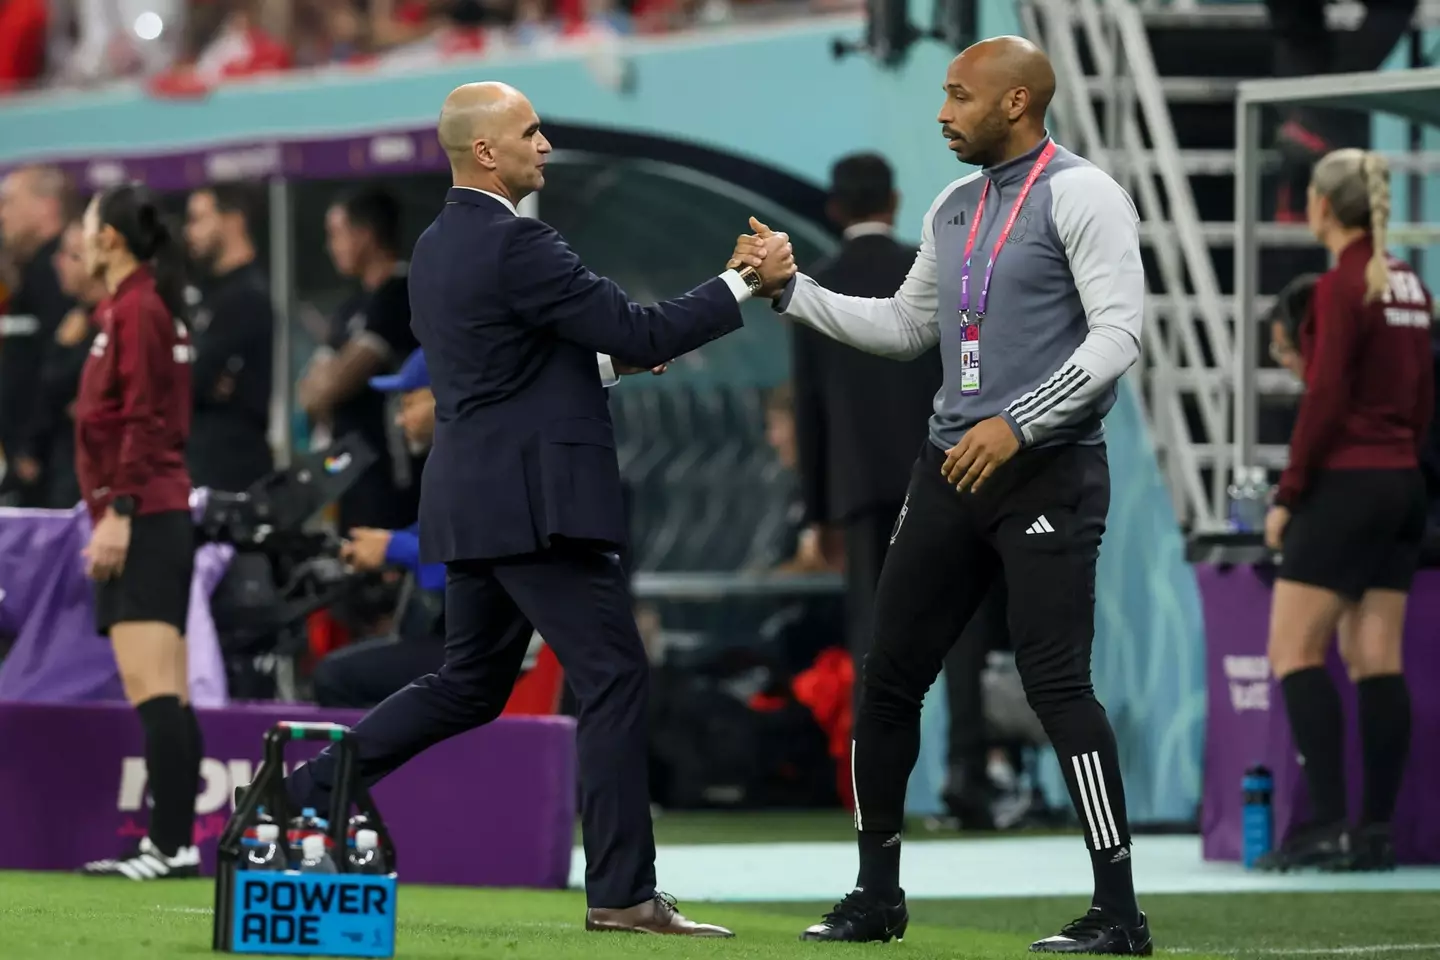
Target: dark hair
x=1292, y=303
x=234, y=198
x=134, y=213
x=376, y=210
x=862, y=184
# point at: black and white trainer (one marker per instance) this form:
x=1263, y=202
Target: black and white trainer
x=148, y=863
x=862, y=917
x=1098, y=933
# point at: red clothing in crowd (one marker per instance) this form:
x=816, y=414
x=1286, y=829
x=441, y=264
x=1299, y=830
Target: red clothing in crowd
x=23, y=24
x=132, y=415
x=1369, y=385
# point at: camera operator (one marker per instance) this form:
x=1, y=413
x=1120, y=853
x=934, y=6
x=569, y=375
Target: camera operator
x=369, y=336
x=364, y=673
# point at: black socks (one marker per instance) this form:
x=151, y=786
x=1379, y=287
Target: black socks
x=172, y=759
x=1090, y=760
x=1318, y=729
x=880, y=864
x=1385, y=735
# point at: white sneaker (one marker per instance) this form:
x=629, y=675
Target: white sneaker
x=148, y=863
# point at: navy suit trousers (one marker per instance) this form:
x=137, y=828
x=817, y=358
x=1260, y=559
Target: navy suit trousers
x=578, y=597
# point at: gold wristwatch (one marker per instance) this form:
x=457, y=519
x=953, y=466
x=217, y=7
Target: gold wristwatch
x=752, y=279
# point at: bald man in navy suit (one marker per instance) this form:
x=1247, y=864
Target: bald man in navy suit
x=521, y=496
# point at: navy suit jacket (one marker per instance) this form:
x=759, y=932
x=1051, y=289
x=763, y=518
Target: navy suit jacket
x=510, y=322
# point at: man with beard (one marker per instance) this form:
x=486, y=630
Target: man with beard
x=35, y=205
x=53, y=427
x=233, y=328
x=1030, y=280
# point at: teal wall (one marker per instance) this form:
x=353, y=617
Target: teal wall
x=1392, y=135
x=780, y=96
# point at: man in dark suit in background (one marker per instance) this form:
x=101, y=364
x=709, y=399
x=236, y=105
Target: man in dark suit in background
x=233, y=329
x=859, y=418
x=521, y=495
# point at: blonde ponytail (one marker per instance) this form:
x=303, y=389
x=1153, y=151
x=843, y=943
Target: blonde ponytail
x=1377, y=188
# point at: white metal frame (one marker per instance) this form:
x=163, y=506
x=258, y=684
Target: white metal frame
x=1177, y=327
x=1192, y=356
x=1370, y=92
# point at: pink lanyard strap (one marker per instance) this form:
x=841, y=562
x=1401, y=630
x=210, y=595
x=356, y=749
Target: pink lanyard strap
x=1039, y=167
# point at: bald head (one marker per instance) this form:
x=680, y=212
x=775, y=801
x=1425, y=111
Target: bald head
x=491, y=134
x=1009, y=63
x=996, y=94
x=474, y=112
x=35, y=203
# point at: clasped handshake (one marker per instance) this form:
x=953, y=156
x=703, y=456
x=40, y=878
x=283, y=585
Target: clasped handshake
x=766, y=252
x=769, y=254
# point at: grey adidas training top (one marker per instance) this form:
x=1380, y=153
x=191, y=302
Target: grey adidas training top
x=1063, y=317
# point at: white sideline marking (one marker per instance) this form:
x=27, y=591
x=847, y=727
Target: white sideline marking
x=1311, y=951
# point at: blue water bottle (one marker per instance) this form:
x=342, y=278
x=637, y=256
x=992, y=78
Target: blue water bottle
x=1257, y=837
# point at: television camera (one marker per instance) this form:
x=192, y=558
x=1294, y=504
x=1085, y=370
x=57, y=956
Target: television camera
x=282, y=572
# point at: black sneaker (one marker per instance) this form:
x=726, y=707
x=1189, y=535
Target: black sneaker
x=1323, y=847
x=862, y=917
x=1372, y=849
x=1097, y=933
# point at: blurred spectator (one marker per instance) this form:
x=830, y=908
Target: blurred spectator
x=35, y=203
x=98, y=40
x=23, y=24
x=233, y=327
x=800, y=546
x=226, y=39
x=364, y=673
x=860, y=418
x=1305, y=46
x=369, y=335
x=53, y=428
x=328, y=31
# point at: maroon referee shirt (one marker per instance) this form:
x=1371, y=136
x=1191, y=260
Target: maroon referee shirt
x=132, y=415
x=1369, y=384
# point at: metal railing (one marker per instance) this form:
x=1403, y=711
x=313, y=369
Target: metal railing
x=1192, y=332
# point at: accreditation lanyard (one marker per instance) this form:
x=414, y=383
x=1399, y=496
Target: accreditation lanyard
x=970, y=320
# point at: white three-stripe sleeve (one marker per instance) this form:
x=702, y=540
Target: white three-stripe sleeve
x=1099, y=228
x=903, y=326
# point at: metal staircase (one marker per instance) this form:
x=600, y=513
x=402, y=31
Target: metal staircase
x=1148, y=93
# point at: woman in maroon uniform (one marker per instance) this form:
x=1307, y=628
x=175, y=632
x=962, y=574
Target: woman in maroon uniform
x=1349, y=514
x=132, y=417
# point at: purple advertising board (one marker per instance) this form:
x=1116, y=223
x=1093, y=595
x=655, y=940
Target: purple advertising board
x=494, y=807
x=375, y=153
x=1246, y=723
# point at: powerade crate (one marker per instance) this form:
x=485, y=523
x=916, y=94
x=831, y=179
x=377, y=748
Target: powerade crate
x=304, y=914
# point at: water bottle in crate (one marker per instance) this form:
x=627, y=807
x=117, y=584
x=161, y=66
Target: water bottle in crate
x=1257, y=837
x=329, y=904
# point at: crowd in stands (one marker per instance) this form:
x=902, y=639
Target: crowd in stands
x=185, y=47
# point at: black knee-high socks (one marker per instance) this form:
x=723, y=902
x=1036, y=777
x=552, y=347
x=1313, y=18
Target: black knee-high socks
x=1317, y=726
x=173, y=751
x=1384, y=704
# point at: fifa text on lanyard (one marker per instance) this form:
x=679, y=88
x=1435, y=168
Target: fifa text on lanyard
x=970, y=321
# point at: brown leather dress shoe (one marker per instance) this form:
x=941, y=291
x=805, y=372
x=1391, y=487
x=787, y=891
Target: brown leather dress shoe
x=653, y=916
